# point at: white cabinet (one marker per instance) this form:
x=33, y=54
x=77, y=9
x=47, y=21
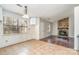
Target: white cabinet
x=2, y=41
x=6, y=40
x=1, y=22
x=9, y=39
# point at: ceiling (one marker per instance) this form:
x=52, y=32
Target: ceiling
x=52, y=11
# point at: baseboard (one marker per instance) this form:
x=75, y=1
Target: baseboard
x=46, y=37
x=67, y=36
x=15, y=43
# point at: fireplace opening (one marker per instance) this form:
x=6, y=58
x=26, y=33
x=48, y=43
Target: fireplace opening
x=63, y=33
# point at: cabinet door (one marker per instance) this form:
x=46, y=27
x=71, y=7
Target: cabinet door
x=2, y=41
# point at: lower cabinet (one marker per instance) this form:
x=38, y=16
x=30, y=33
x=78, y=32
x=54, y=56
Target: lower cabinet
x=12, y=39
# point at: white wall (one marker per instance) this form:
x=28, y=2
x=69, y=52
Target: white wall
x=44, y=29
x=76, y=21
x=55, y=28
x=37, y=28
x=71, y=25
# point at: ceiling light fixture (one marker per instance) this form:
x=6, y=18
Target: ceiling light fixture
x=25, y=15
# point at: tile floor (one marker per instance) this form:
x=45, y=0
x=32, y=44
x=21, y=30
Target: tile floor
x=36, y=47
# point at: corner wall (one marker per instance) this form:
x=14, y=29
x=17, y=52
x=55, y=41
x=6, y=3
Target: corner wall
x=71, y=25
x=76, y=32
x=44, y=32
x=55, y=28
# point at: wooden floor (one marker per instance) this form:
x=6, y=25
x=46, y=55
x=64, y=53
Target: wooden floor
x=36, y=47
x=66, y=42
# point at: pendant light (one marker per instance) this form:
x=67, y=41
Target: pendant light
x=25, y=15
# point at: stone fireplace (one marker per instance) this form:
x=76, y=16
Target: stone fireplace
x=63, y=27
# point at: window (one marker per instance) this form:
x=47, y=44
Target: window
x=33, y=21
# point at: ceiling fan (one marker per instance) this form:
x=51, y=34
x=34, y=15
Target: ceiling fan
x=25, y=11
